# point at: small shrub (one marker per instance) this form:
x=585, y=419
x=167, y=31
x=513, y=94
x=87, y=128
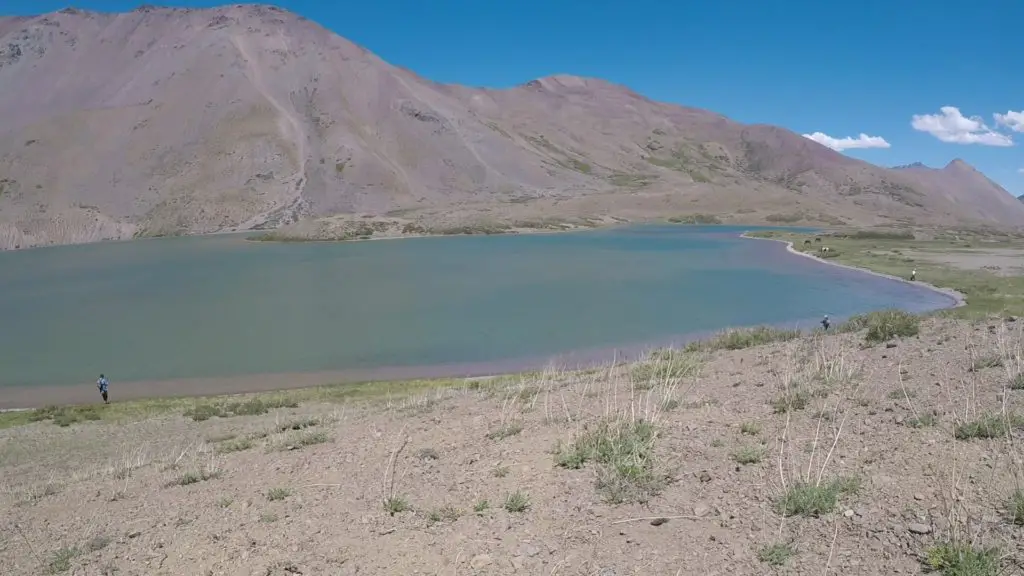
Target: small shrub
x=952, y=559
x=900, y=395
x=517, y=502
x=744, y=338
x=275, y=494
x=1018, y=382
x=225, y=502
x=1016, y=507
x=923, y=421
x=481, y=506
x=987, y=361
x=194, y=477
x=61, y=560
x=987, y=426
x=500, y=472
x=268, y=517
x=663, y=366
x=504, y=432
x=624, y=454
x=65, y=416
x=885, y=325
x=775, y=554
x=97, y=543
x=298, y=424
x=237, y=445
x=396, y=505
x=748, y=455
x=802, y=499
x=445, y=514
x=250, y=407
x=305, y=439
x=750, y=428
x=792, y=399
x=669, y=404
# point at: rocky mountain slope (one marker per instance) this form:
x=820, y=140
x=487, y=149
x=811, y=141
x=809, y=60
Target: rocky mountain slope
x=171, y=121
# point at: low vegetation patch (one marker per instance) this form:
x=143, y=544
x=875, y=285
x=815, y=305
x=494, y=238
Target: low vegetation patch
x=517, y=502
x=505, y=431
x=750, y=428
x=444, y=514
x=986, y=361
x=396, y=505
x=1017, y=383
x=481, y=506
x=988, y=426
x=236, y=445
x=805, y=499
x=275, y=494
x=776, y=554
x=665, y=365
x=1015, y=507
x=794, y=398
x=251, y=407
x=624, y=454
x=194, y=477
x=298, y=424
x=696, y=219
x=953, y=559
x=65, y=416
x=923, y=421
x=884, y=325
x=303, y=440
x=61, y=560
x=741, y=338
x=748, y=455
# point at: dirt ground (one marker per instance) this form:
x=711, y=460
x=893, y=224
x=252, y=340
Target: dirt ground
x=477, y=466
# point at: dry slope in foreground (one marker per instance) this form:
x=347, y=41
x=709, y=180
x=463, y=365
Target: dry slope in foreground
x=176, y=121
x=814, y=455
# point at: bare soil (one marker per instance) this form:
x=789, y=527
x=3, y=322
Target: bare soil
x=302, y=490
x=999, y=261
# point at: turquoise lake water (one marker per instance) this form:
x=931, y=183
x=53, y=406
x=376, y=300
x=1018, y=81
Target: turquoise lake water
x=223, y=306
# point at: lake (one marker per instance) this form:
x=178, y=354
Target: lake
x=222, y=306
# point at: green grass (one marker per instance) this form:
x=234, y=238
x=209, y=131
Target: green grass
x=623, y=452
x=986, y=293
x=444, y=514
x=776, y=554
x=60, y=562
x=234, y=404
x=396, y=505
x=275, y=494
x=517, y=502
x=790, y=400
x=505, y=431
x=1015, y=507
x=748, y=455
x=696, y=219
x=663, y=366
x=481, y=506
x=194, y=477
x=952, y=559
x=923, y=421
x=750, y=428
x=803, y=499
x=236, y=445
x=885, y=325
x=988, y=426
x=741, y=338
x=1017, y=383
x=302, y=440
x=986, y=361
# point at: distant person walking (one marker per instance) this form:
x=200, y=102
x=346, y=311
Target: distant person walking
x=825, y=323
x=913, y=274
x=102, y=385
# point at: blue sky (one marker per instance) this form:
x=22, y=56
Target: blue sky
x=839, y=68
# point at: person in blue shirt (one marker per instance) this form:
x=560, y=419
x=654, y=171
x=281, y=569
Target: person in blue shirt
x=102, y=385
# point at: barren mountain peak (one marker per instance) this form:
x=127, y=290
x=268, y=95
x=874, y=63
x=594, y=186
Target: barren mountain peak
x=178, y=121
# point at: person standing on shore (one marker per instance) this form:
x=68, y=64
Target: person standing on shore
x=825, y=323
x=102, y=385
x=913, y=274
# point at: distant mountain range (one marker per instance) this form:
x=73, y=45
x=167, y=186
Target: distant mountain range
x=179, y=121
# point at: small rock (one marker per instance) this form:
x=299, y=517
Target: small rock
x=529, y=551
x=848, y=513
x=701, y=510
x=481, y=561
x=890, y=344
x=705, y=476
x=917, y=528
x=919, y=496
x=658, y=521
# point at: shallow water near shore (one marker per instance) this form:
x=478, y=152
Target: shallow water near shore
x=220, y=306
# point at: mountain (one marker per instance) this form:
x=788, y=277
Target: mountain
x=173, y=121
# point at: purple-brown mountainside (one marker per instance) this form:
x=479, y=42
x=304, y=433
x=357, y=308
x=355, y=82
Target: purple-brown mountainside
x=173, y=121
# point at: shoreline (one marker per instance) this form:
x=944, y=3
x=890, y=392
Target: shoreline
x=959, y=299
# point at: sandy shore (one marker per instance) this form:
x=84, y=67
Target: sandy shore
x=958, y=298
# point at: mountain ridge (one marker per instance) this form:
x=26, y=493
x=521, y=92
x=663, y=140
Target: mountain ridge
x=106, y=136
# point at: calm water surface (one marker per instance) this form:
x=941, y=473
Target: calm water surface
x=222, y=306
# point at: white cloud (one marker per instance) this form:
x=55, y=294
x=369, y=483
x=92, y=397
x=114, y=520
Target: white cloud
x=1012, y=120
x=953, y=127
x=840, y=144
